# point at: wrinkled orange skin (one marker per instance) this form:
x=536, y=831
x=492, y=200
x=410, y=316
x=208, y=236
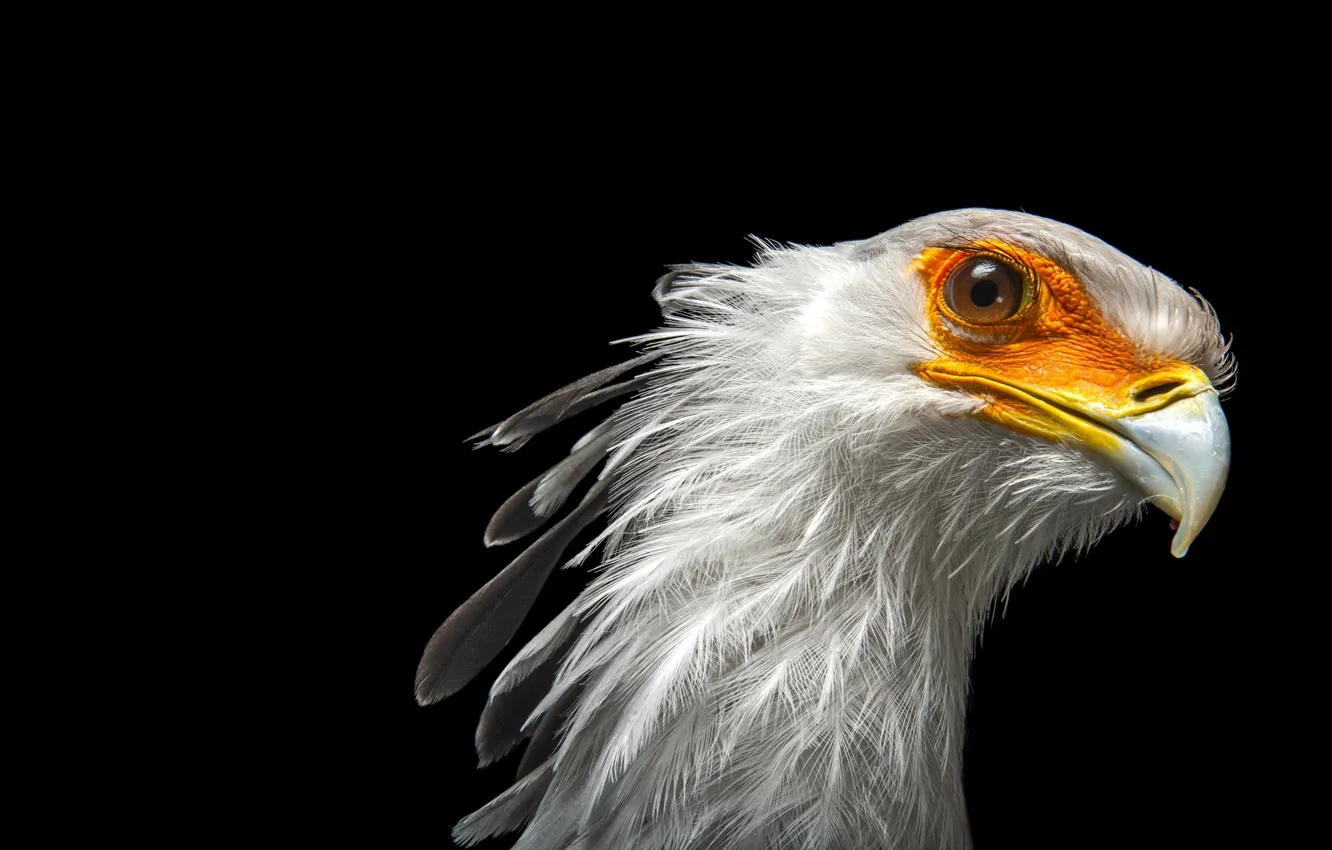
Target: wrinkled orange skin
x=1058, y=343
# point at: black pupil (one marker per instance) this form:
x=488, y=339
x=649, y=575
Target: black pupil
x=984, y=293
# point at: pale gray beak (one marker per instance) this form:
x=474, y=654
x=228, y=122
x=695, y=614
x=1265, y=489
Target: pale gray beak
x=1178, y=456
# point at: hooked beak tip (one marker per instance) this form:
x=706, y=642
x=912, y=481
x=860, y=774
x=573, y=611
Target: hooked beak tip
x=1190, y=440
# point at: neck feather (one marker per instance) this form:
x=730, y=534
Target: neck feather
x=776, y=651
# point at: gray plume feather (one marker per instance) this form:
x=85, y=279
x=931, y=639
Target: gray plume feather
x=475, y=633
x=661, y=291
x=551, y=639
x=525, y=511
x=542, y=745
x=564, y=402
x=501, y=726
x=586, y=402
x=508, y=716
x=508, y=811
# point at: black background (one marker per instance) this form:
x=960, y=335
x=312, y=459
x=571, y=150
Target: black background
x=1116, y=700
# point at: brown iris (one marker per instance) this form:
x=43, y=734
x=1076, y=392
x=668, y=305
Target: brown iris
x=984, y=290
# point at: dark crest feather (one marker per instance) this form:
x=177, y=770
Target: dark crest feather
x=505, y=719
x=475, y=633
x=661, y=291
x=501, y=726
x=508, y=811
x=587, y=402
x=540, y=415
x=542, y=745
x=518, y=517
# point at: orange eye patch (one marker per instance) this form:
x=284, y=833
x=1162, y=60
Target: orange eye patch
x=1054, y=334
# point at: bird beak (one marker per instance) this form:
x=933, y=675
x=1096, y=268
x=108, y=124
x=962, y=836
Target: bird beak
x=1178, y=456
x=1164, y=432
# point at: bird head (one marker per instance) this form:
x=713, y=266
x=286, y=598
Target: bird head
x=979, y=332
x=837, y=460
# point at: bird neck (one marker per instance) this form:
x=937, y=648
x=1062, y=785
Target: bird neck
x=776, y=651
x=820, y=669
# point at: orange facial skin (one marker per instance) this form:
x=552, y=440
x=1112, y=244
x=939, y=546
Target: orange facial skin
x=1056, y=368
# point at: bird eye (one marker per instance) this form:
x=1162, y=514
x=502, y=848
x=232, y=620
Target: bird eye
x=985, y=290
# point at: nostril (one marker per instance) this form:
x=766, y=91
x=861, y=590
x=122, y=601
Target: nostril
x=1147, y=393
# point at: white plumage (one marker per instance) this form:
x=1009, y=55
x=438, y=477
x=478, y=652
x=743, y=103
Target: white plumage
x=804, y=540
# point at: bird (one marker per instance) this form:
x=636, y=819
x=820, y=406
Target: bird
x=819, y=477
